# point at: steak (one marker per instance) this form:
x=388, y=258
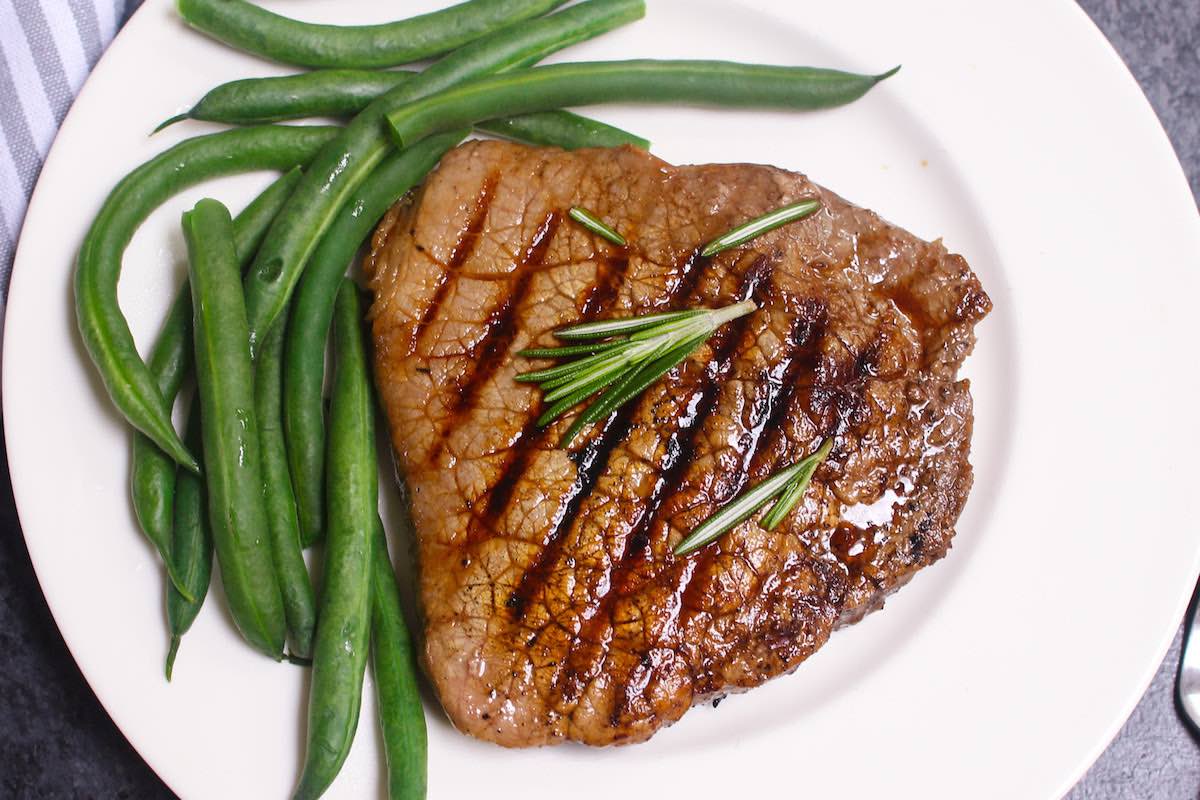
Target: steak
x=553, y=607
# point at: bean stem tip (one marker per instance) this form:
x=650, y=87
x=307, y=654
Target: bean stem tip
x=172, y=651
x=885, y=75
x=171, y=121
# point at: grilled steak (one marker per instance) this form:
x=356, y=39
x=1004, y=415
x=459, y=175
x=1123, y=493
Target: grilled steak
x=553, y=606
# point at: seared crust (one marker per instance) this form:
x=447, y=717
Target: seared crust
x=553, y=606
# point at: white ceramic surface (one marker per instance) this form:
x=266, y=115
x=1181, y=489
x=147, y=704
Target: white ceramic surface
x=1014, y=132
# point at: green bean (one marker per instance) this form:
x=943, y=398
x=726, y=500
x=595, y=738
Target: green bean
x=102, y=326
x=304, y=357
x=342, y=92
x=152, y=476
x=256, y=30
x=250, y=226
x=299, y=604
x=721, y=83
x=343, y=627
x=559, y=128
x=394, y=665
x=321, y=93
x=191, y=549
x=345, y=162
x=152, y=473
x=225, y=385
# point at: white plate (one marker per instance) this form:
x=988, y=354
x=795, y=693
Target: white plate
x=1015, y=133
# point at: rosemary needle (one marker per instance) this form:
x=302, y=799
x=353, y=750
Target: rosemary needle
x=795, y=490
x=620, y=326
x=563, y=352
x=760, y=225
x=788, y=485
x=596, y=225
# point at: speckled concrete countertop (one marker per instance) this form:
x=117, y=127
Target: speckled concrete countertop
x=57, y=742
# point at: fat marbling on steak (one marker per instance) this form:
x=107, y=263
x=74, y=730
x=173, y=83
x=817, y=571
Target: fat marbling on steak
x=553, y=607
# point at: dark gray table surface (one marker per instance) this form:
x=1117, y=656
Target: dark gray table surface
x=57, y=742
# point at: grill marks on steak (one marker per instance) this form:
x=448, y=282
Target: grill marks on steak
x=553, y=606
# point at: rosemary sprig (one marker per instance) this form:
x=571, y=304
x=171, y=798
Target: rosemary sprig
x=760, y=225
x=788, y=485
x=620, y=359
x=596, y=225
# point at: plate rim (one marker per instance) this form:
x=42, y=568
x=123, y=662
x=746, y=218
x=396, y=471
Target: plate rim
x=1133, y=696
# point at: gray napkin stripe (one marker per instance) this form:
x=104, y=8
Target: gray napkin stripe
x=47, y=48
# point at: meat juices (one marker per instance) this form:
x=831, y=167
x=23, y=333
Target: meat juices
x=553, y=607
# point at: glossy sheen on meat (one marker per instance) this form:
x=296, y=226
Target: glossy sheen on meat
x=553, y=607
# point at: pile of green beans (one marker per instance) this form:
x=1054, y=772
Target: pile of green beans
x=261, y=475
x=152, y=475
x=102, y=326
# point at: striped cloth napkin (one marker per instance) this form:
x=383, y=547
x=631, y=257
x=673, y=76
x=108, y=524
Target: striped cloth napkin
x=47, y=49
